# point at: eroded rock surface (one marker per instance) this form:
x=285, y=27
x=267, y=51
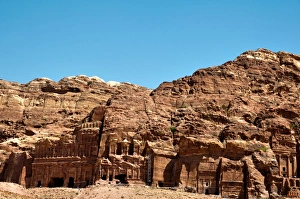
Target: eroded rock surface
x=231, y=130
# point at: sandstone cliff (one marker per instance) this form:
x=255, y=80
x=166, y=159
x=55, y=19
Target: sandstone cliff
x=46, y=108
x=231, y=129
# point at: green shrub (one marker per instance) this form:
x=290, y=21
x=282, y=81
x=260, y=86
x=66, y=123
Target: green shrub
x=89, y=83
x=183, y=106
x=224, y=107
x=264, y=149
x=293, y=125
x=172, y=128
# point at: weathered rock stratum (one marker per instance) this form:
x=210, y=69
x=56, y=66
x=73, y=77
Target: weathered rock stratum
x=231, y=130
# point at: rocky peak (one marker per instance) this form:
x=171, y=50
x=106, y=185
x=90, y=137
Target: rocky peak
x=259, y=54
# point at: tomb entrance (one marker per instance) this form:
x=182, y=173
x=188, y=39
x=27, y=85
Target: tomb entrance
x=56, y=182
x=122, y=178
x=71, y=182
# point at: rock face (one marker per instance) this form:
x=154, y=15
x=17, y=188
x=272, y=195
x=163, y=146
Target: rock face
x=231, y=130
x=43, y=108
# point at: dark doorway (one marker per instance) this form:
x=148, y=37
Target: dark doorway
x=87, y=182
x=103, y=177
x=160, y=184
x=206, y=191
x=71, y=182
x=131, y=149
x=56, y=182
x=39, y=184
x=119, y=149
x=110, y=178
x=122, y=178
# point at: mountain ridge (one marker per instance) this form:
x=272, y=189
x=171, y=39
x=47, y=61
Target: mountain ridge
x=241, y=116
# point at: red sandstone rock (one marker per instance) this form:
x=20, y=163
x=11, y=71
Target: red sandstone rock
x=235, y=125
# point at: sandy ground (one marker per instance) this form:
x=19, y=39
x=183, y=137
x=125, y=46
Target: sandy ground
x=15, y=191
x=136, y=192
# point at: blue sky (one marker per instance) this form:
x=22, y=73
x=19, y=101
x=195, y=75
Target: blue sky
x=144, y=42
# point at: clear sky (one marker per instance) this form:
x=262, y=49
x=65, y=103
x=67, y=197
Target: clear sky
x=144, y=42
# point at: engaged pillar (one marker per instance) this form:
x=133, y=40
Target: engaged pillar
x=288, y=166
x=294, y=166
x=279, y=166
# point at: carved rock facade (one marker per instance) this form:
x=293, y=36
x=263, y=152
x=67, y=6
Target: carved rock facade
x=231, y=130
x=69, y=161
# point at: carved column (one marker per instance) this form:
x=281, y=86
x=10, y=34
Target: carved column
x=79, y=151
x=102, y=172
x=76, y=175
x=89, y=150
x=79, y=175
x=288, y=166
x=42, y=152
x=37, y=152
x=107, y=174
x=46, y=176
x=138, y=173
x=292, y=166
x=279, y=166
x=84, y=150
x=112, y=148
x=113, y=173
x=83, y=172
x=68, y=150
x=295, y=166
x=75, y=150
x=125, y=145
